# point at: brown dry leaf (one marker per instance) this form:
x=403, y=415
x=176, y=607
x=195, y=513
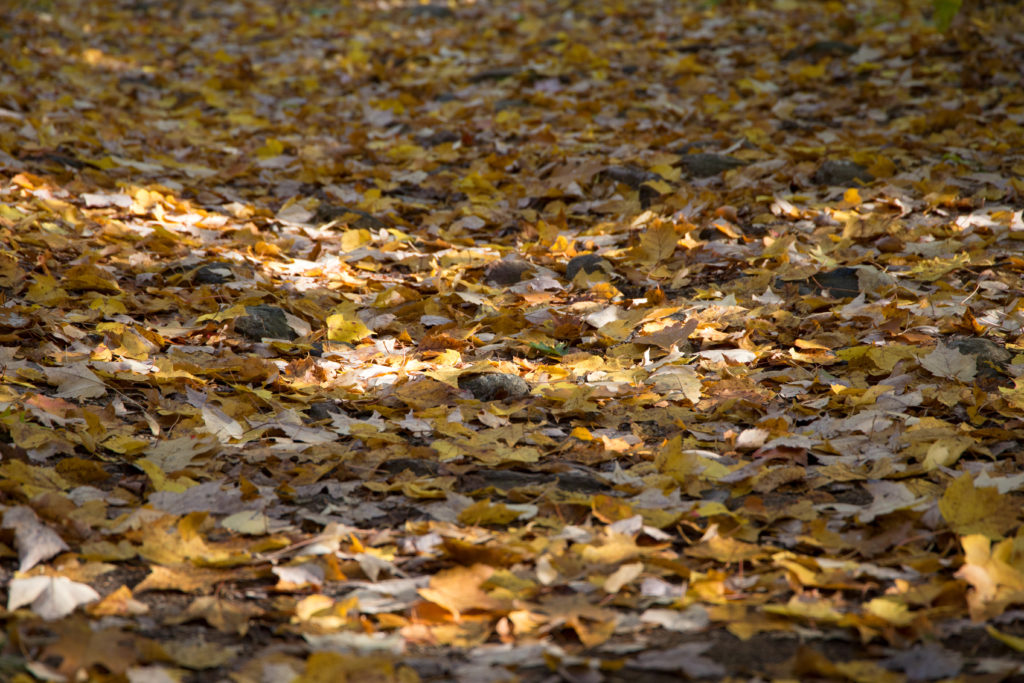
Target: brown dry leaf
x=459, y=590
x=658, y=242
x=592, y=625
x=187, y=578
x=119, y=603
x=226, y=616
x=78, y=647
x=197, y=654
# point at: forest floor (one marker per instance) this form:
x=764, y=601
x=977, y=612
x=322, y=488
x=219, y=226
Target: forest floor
x=511, y=341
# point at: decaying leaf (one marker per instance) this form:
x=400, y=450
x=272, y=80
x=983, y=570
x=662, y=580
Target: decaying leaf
x=508, y=340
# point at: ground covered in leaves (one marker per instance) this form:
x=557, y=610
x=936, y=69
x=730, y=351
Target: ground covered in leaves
x=525, y=340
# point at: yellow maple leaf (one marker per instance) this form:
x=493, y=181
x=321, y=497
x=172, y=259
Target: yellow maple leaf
x=970, y=510
x=658, y=242
x=459, y=590
x=344, y=326
x=995, y=575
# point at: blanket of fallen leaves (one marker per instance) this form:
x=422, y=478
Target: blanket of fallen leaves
x=516, y=340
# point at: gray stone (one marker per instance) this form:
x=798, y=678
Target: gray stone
x=508, y=271
x=494, y=386
x=634, y=176
x=355, y=218
x=588, y=263
x=496, y=74
x=819, y=50
x=705, y=164
x=431, y=12
x=840, y=172
x=840, y=283
x=322, y=410
x=213, y=274
x=263, y=322
x=991, y=357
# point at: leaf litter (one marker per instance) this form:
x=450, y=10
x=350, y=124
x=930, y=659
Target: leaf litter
x=387, y=341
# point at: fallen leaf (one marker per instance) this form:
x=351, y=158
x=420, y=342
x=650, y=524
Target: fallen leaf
x=34, y=540
x=51, y=597
x=949, y=363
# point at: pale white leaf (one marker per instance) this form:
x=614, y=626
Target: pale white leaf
x=693, y=618
x=889, y=496
x=546, y=572
x=372, y=566
x=526, y=511
x=34, y=540
x=604, y=316
x=105, y=199
x=769, y=298
x=492, y=420
x=174, y=455
x=152, y=674
x=728, y=355
x=537, y=284
x=416, y=425
x=872, y=280
x=353, y=642
x=295, y=213
x=342, y=424
x=1003, y=484
x=76, y=381
x=300, y=576
x=948, y=363
x=249, y=522
x=307, y=434
x=622, y=576
x=432, y=320
x=51, y=597
x=220, y=424
x=654, y=587
x=751, y=439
